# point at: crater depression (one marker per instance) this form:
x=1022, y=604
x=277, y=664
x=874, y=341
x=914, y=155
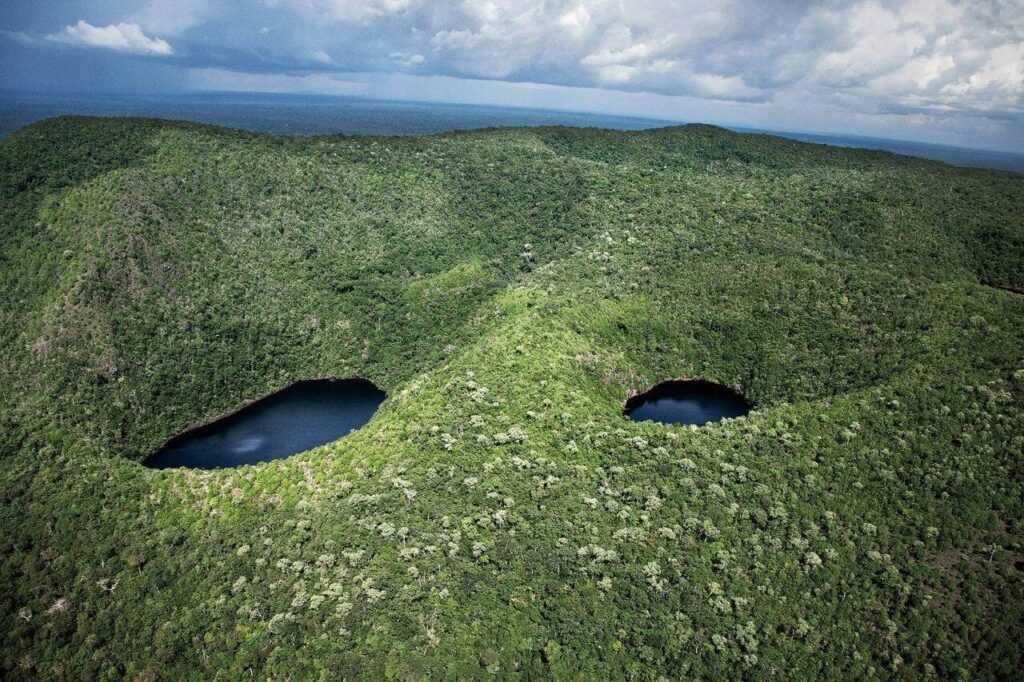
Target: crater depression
x=295, y=419
x=686, y=401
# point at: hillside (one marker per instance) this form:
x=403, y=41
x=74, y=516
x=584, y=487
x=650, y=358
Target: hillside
x=499, y=516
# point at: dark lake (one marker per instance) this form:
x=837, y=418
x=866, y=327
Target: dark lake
x=687, y=402
x=300, y=417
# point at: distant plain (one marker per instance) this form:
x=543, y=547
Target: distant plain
x=306, y=115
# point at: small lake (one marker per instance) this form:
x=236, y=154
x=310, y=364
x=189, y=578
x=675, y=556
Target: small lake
x=303, y=416
x=686, y=402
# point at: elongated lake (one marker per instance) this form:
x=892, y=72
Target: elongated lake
x=300, y=417
x=686, y=402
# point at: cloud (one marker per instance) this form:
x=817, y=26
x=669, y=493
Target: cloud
x=18, y=37
x=935, y=57
x=929, y=60
x=172, y=17
x=939, y=53
x=318, y=56
x=407, y=58
x=349, y=10
x=121, y=37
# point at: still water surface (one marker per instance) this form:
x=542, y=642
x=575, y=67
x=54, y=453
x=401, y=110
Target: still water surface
x=302, y=416
x=687, y=402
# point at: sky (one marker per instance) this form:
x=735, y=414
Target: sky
x=941, y=71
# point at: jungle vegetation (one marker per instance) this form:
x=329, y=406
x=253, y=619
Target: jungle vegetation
x=499, y=516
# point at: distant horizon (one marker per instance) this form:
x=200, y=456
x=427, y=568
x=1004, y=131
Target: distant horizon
x=943, y=72
x=796, y=134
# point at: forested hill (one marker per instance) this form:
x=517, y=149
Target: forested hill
x=499, y=516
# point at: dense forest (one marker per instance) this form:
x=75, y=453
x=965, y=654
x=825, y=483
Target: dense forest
x=499, y=516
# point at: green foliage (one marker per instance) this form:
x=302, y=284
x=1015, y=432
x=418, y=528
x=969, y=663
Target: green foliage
x=499, y=516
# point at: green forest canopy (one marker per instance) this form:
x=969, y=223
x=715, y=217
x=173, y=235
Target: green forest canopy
x=499, y=515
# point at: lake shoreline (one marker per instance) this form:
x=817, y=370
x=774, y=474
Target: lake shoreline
x=199, y=426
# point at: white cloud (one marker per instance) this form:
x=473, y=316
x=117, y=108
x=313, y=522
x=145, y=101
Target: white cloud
x=318, y=56
x=353, y=10
x=929, y=57
x=407, y=58
x=732, y=88
x=626, y=55
x=874, y=54
x=576, y=19
x=121, y=37
x=173, y=17
x=916, y=75
x=455, y=40
x=931, y=62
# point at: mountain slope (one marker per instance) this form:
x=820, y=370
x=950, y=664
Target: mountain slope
x=499, y=516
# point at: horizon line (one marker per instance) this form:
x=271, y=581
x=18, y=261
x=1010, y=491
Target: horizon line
x=787, y=134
